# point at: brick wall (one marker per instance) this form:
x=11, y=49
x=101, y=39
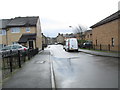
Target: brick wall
x=103, y=35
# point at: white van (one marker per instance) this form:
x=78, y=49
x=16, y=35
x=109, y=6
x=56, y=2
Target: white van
x=71, y=44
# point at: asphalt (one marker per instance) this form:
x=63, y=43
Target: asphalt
x=34, y=73
x=100, y=53
x=82, y=70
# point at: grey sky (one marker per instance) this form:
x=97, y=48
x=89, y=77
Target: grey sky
x=57, y=15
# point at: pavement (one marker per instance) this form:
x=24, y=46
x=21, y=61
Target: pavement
x=34, y=73
x=100, y=53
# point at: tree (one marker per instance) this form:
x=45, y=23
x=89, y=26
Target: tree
x=79, y=31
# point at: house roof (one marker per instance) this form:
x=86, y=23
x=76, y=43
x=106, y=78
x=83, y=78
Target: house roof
x=68, y=35
x=23, y=21
x=19, y=21
x=88, y=31
x=25, y=37
x=3, y=23
x=108, y=19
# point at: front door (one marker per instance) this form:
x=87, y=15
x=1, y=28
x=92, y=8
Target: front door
x=31, y=46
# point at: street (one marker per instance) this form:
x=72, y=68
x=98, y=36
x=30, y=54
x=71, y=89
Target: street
x=60, y=44
x=71, y=70
x=80, y=70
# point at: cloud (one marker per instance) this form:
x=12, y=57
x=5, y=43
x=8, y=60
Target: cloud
x=52, y=27
x=54, y=32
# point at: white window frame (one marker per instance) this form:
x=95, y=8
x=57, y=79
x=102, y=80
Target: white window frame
x=15, y=30
x=27, y=29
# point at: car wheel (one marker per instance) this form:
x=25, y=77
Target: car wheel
x=68, y=50
x=77, y=50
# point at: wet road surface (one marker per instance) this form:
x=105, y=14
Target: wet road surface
x=81, y=70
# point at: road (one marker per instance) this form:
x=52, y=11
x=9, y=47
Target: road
x=81, y=70
x=69, y=70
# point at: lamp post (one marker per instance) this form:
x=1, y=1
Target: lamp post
x=73, y=29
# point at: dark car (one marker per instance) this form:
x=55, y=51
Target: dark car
x=87, y=45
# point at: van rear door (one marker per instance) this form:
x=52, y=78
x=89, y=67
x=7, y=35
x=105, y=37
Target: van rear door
x=73, y=44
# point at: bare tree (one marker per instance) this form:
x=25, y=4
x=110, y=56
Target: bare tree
x=79, y=30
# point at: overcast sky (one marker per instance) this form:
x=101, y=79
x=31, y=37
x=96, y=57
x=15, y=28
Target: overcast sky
x=57, y=15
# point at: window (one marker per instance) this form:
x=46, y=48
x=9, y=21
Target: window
x=2, y=32
x=87, y=36
x=1, y=46
x=15, y=30
x=14, y=47
x=96, y=42
x=90, y=35
x=113, y=42
x=27, y=29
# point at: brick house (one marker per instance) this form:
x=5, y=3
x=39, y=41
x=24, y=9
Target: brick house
x=3, y=28
x=24, y=30
x=44, y=40
x=60, y=38
x=106, y=33
x=67, y=36
x=88, y=35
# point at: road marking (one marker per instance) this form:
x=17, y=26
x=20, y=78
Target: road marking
x=52, y=76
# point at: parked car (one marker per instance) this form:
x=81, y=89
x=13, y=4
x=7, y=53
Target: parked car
x=13, y=48
x=71, y=44
x=87, y=45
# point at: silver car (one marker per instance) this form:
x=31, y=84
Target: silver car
x=13, y=47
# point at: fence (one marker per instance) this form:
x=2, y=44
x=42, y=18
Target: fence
x=12, y=60
x=104, y=47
